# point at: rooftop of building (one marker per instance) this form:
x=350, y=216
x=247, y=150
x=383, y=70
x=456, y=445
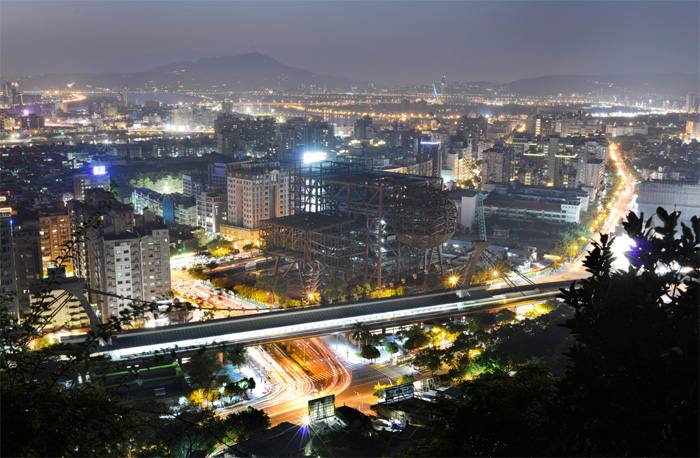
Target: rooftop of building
x=516, y=188
x=353, y=418
x=253, y=169
x=508, y=201
x=140, y=231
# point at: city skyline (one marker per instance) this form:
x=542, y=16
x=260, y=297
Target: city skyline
x=400, y=43
x=349, y=228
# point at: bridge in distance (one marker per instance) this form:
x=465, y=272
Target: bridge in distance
x=295, y=323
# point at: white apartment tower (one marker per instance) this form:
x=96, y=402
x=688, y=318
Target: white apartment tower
x=133, y=265
x=257, y=192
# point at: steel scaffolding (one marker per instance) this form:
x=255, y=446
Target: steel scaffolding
x=352, y=219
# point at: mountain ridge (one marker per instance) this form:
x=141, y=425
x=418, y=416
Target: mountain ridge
x=243, y=72
x=255, y=71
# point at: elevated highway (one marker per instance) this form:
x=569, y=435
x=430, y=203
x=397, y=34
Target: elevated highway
x=290, y=324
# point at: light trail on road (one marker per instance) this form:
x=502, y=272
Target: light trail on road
x=619, y=207
x=290, y=386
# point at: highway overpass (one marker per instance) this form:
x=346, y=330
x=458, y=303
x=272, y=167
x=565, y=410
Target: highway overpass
x=295, y=323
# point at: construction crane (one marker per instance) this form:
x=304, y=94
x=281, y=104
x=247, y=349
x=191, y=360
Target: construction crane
x=480, y=251
x=479, y=245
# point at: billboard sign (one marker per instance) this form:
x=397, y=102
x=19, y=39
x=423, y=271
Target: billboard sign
x=98, y=170
x=398, y=393
x=322, y=408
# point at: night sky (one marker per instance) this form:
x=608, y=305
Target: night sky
x=385, y=41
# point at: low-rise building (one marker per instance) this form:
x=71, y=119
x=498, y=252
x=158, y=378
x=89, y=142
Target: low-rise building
x=556, y=205
x=173, y=208
x=672, y=196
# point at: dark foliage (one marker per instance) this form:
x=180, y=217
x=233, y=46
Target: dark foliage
x=55, y=401
x=631, y=384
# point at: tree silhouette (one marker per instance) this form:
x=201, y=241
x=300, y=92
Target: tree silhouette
x=55, y=401
x=631, y=384
x=633, y=379
x=360, y=333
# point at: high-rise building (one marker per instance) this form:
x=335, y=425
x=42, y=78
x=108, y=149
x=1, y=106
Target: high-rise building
x=211, y=207
x=692, y=103
x=31, y=121
x=8, y=280
x=27, y=253
x=56, y=233
x=590, y=172
x=362, y=129
x=70, y=307
x=552, y=149
x=299, y=135
x=429, y=152
x=457, y=163
x=241, y=135
x=227, y=107
x=472, y=129
x=7, y=122
x=541, y=125
x=496, y=166
x=133, y=265
x=216, y=175
x=191, y=185
x=98, y=178
x=11, y=93
x=98, y=215
x=692, y=129
x=257, y=192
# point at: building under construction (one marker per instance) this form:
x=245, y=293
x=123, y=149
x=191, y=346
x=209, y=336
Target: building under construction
x=352, y=221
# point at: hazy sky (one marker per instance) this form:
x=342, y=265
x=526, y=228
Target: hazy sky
x=382, y=40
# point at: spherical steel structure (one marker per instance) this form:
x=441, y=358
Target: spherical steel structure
x=424, y=217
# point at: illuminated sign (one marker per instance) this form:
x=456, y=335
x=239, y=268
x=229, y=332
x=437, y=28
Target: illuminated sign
x=321, y=408
x=99, y=170
x=310, y=157
x=398, y=393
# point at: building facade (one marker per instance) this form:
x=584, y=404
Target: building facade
x=98, y=178
x=672, y=196
x=133, y=265
x=257, y=192
x=56, y=233
x=240, y=135
x=211, y=207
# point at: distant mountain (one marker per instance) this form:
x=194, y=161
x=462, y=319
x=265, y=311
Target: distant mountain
x=244, y=72
x=672, y=85
x=252, y=71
